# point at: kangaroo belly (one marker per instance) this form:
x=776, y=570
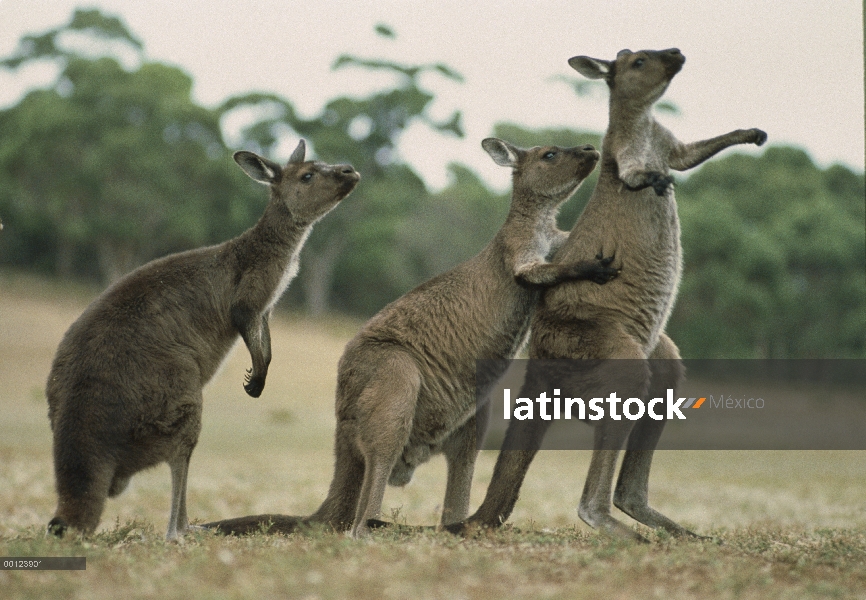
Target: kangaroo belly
x=642, y=233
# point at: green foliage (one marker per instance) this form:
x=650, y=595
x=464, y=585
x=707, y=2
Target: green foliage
x=87, y=21
x=452, y=225
x=385, y=31
x=775, y=259
x=373, y=268
x=111, y=167
x=411, y=72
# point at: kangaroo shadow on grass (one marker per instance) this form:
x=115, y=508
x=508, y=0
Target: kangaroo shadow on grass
x=286, y=524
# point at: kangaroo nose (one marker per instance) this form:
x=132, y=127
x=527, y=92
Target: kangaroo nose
x=588, y=148
x=346, y=169
x=675, y=58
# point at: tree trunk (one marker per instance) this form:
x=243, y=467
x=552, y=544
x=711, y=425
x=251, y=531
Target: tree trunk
x=64, y=258
x=318, y=271
x=115, y=261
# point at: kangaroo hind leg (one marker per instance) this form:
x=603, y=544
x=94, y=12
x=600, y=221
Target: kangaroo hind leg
x=631, y=495
x=385, y=412
x=461, y=450
x=630, y=378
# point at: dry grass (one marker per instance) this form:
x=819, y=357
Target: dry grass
x=793, y=523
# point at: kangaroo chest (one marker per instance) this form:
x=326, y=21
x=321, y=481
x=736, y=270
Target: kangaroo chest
x=642, y=231
x=290, y=271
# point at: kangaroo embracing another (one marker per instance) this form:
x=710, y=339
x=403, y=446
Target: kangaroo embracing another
x=631, y=214
x=406, y=386
x=125, y=390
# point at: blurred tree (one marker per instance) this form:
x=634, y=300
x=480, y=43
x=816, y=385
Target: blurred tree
x=357, y=260
x=453, y=225
x=775, y=259
x=111, y=167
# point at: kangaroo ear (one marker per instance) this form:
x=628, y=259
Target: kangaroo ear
x=298, y=155
x=258, y=168
x=591, y=68
x=502, y=153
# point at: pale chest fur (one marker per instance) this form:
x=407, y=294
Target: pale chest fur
x=545, y=239
x=291, y=270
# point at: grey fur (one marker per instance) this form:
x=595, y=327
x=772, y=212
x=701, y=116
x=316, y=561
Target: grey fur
x=632, y=213
x=406, y=382
x=125, y=389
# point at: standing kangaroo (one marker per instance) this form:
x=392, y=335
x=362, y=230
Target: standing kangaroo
x=406, y=386
x=631, y=214
x=125, y=389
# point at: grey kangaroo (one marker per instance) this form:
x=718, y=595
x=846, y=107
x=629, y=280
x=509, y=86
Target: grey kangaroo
x=125, y=389
x=631, y=214
x=406, y=382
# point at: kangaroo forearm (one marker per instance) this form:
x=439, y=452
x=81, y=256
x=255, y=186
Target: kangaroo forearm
x=266, y=339
x=261, y=352
x=543, y=275
x=687, y=156
x=255, y=332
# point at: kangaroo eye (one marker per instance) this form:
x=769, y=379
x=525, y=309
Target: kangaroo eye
x=549, y=155
x=638, y=63
x=306, y=177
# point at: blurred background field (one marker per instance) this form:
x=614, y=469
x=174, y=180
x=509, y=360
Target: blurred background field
x=793, y=523
x=274, y=454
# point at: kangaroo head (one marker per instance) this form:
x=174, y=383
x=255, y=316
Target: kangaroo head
x=635, y=78
x=307, y=189
x=550, y=172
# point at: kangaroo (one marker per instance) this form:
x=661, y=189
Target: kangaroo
x=631, y=214
x=125, y=389
x=406, y=386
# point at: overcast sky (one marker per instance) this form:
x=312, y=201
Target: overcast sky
x=794, y=69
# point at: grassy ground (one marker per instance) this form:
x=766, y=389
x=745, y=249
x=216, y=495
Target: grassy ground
x=793, y=523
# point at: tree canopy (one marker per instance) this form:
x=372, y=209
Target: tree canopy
x=111, y=167
x=114, y=164
x=775, y=259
